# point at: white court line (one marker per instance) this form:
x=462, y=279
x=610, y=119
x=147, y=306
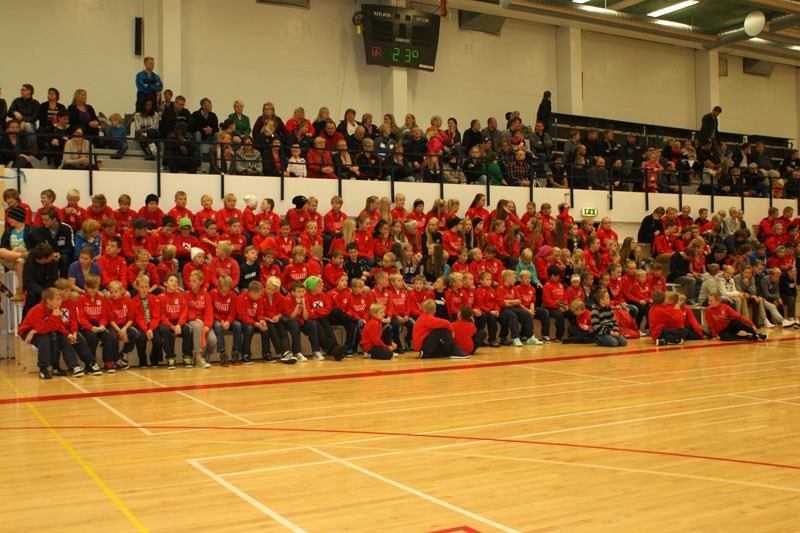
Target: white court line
x=533, y=419
x=201, y=402
x=303, y=465
x=781, y=400
x=245, y=454
x=604, y=424
x=625, y=469
x=113, y=411
x=246, y=497
x=540, y=369
x=415, y=492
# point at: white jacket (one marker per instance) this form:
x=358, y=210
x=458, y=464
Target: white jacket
x=726, y=288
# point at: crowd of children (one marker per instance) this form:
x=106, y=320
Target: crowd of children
x=394, y=279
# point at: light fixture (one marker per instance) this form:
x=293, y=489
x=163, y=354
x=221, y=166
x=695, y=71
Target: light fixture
x=580, y=1
x=672, y=8
x=595, y=9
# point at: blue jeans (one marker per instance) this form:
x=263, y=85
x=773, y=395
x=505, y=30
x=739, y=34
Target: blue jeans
x=610, y=340
x=236, y=329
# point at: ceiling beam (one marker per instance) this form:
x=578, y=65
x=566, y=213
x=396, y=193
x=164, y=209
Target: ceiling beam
x=737, y=34
x=787, y=6
x=624, y=4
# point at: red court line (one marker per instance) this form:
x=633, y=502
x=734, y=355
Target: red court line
x=370, y=374
x=418, y=435
x=459, y=529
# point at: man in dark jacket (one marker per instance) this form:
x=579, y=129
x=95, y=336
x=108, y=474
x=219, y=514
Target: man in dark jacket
x=26, y=110
x=545, y=112
x=204, y=125
x=39, y=273
x=177, y=111
x=709, y=128
x=57, y=235
x=651, y=227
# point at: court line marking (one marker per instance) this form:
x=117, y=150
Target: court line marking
x=415, y=492
x=784, y=401
x=537, y=369
x=83, y=464
x=246, y=497
x=547, y=417
x=626, y=469
x=201, y=402
x=303, y=465
x=383, y=373
x=429, y=436
x=114, y=411
x=607, y=424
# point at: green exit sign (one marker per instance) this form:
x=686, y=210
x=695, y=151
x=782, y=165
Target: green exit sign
x=589, y=211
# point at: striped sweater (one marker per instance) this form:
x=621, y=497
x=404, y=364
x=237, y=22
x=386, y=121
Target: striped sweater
x=603, y=321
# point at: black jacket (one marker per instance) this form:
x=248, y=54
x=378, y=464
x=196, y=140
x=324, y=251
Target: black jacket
x=36, y=277
x=199, y=122
x=648, y=229
x=62, y=242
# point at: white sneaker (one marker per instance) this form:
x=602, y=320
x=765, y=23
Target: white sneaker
x=768, y=324
x=395, y=355
x=534, y=341
x=300, y=357
x=787, y=323
x=203, y=363
x=517, y=342
x=318, y=356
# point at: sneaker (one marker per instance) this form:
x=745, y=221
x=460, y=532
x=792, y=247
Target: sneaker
x=110, y=369
x=246, y=360
x=494, y=344
x=124, y=360
x=546, y=340
x=462, y=356
x=395, y=355
x=516, y=342
x=660, y=342
x=318, y=356
x=338, y=352
x=787, y=323
x=761, y=336
x=94, y=370
x=300, y=357
x=58, y=371
x=288, y=359
x=188, y=362
x=534, y=341
x=77, y=372
x=350, y=353
x=122, y=364
x=505, y=342
x=203, y=363
x=768, y=324
x=44, y=374
x=171, y=363
x=269, y=359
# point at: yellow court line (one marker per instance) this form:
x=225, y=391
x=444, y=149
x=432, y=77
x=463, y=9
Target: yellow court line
x=92, y=474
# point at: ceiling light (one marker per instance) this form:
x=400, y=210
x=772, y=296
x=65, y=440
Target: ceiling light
x=672, y=8
x=580, y=1
x=671, y=24
x=795, y=48
x=595, y=9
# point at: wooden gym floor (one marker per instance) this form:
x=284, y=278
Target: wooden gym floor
x=700, y=437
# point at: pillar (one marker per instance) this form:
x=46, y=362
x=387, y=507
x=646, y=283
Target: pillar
x=395, y=93
x=568, y=98
x=706, y=83
x=168, y=61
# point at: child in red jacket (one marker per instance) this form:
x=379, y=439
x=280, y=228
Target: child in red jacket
x=272, y=301
x=42, y=327
x=513, y=318
x=69, y=317
x=93, y=319
x=223, y=305
x=340, y=299
x=198, y=338
x=296, y=318
x=147, y=318
x=487, y=308
x=198, y=263
x=250, y=310
x=401, y=305
x=320, y=307
x=376, y=337
x=580, y=324
x=468, y=338
x=433, y=336
x=223, y=264
x=554, y=299
x=121, y=318
x=726, y=324
x=173, y=317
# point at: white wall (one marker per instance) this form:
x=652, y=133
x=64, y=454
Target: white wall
x=629, y=208
x=759, y=105
x=71, y=45
x=480, y=75
x=638, y=81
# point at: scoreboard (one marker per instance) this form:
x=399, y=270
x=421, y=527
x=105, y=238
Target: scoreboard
x=400, y=37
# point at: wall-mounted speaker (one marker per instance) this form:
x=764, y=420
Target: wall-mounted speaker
x=138, y=35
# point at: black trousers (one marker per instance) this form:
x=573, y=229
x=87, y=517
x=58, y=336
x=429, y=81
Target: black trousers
x=167, y=336
x=51, y=346
x=731, y=333
x=489, y=322
x=439, y=343
x=558, y=316
x=350, y=324
x=379, y=352
x=248, y=331
x=327, y=339
x=109, y=340
x=308, y=328
x=141, y=346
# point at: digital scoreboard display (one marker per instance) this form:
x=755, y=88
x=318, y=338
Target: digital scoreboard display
x=400, y=37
